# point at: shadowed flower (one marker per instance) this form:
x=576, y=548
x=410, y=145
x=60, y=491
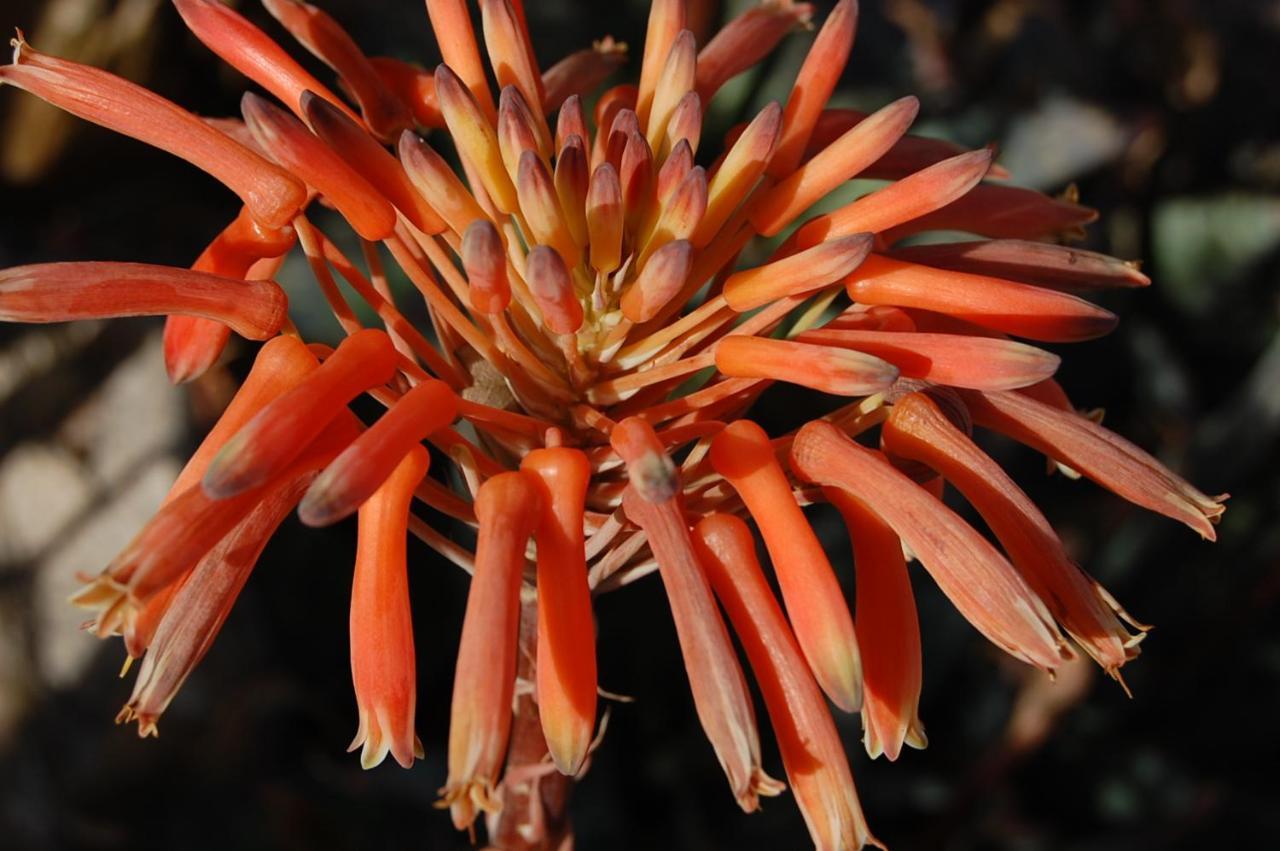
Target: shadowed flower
x=592, y=322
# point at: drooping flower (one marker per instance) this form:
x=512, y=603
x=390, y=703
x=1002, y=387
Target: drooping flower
x=590, y=323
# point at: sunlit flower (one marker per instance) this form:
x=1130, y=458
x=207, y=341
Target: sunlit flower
x=593, y=320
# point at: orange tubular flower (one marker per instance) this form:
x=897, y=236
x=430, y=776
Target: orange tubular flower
x=293, y=146
x=743, y=455
x=382, y=657
x=194, y=614
x=995, y=303
x=58, y=292
x=984, y=363
x=919, y=431
x=508, y=508
x=807, y=739
x=244, y=249
x=719, y=689
x=566, y=656
x=887, y=621
x=363, y=466
x=270, y=193
x=281, y=430
x=1103, y=456
x=981, y=584
x=601, y=298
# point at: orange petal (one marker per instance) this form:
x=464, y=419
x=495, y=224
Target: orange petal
x=415, y=87
x=738, y=173
x=268, y=191
x=838, y=371
x=817, y=79
x=508, y=508
x=1102, y=455
x=195, y=613
x=61, y=292
x=475, y=137
x=371, y=161
x=320, y=34
x=485, y=262
x=1018, y=309
x=675, y=81
x=918, y=431
x=666, y=20
x=456, y=38
x=1039, y=263
x=719, y=689
x=1003, y=212
x=808, y=742
x=382, y=654
x=901, y=201
x=572, y=179
x=887, y=622
x=745, y=40
x=541, y=207
x=743, y=455
x=514, y=64
x=371, y=458
x=281, y=430
x=582, y=72
x=294, y=147
x=907, y=156
x=660, y=279
x=984, y=363
x=438, y=183
x=798, y=274
x=192, y=344
x=979, y=582
x=566, y=654
x=252, y=52
x=843, y=159
x=604, y=219
x=552, y=290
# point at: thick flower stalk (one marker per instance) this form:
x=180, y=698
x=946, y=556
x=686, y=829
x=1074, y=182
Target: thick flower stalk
x=602, y=301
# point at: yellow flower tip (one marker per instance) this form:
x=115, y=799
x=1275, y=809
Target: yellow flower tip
x=475, y=137
x=376, y=739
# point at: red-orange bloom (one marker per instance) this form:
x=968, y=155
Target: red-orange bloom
x=807, y=739
x=508, y=508
x=743, y=455
x=566, y=655
x=382, y=655
x=597, y=301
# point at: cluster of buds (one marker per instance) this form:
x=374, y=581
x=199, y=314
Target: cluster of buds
x=593, y=349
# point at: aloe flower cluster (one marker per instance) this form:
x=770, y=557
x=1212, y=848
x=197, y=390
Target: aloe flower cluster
x=595, y=345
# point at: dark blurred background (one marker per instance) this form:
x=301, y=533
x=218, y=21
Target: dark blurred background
x=1163, y=114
